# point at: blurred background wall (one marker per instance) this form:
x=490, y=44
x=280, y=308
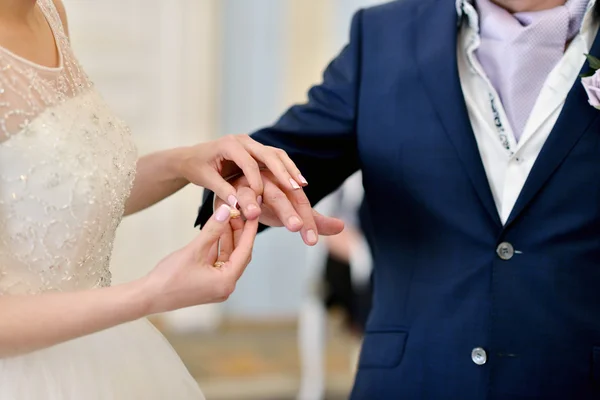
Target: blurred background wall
x=187, y=71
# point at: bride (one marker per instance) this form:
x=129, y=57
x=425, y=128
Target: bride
x=68, y=173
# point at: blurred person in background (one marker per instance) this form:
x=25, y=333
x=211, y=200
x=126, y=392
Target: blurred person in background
x=478, y=140
x=68, y=174
x=339, y=277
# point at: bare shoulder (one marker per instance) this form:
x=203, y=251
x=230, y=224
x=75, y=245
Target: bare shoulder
x=60, y=7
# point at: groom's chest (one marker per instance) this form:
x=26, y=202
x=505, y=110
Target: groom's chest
x=406, y=146
x=421, y=150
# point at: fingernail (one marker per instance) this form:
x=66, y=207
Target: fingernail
x=259, y=200
x=232, y=201
x=294, y=184
x=294, y=221
x=302, y=179
x=222, y=213
x=251, y=207
x=311, y=236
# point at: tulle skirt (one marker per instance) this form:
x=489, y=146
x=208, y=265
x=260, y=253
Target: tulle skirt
x=129, y=362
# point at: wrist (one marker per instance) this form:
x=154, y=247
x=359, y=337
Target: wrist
x=142, y=295
x=175, y=162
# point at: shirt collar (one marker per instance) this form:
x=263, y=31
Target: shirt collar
x=467, y=14
x=459, y=4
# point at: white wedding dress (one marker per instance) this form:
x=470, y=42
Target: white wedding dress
x=67, y=165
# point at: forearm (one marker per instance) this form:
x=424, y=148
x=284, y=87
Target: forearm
x=157, y=177
x=32, y=322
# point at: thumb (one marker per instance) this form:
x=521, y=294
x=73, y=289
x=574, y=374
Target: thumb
x=212, y=231
x=327, y=226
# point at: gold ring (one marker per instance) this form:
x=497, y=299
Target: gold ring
x=234, y=213
x=219, y=264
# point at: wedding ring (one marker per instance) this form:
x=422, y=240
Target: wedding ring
x=219, y=264
x=234, y=213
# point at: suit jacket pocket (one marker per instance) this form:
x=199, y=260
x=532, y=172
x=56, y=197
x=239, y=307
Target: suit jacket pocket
x=382, y=349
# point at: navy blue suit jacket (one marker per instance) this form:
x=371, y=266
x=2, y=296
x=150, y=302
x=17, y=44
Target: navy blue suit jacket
x=391, y=104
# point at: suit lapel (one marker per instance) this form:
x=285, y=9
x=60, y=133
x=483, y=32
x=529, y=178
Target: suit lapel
x=436, y=27
x=574, y=120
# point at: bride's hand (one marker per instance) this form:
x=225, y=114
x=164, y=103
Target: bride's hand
x=189, y=277
x=209, y=164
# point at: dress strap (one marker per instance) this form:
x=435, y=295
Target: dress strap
x=53, y=16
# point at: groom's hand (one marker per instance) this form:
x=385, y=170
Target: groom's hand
x=281, y=206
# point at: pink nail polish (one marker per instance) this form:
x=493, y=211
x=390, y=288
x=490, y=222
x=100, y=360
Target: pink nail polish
x=259, y=200
x=294, y=184
x=232, y=201
x=222, y=213
x=302, y=179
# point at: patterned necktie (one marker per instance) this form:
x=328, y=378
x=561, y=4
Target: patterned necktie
x=518, y=51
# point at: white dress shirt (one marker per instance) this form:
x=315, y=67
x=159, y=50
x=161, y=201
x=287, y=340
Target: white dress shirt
x=507, y=162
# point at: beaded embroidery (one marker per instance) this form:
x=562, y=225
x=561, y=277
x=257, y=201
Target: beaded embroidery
x=67, y=165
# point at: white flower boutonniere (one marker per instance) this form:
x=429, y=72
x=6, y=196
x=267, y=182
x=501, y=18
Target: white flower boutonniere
x=591, y=81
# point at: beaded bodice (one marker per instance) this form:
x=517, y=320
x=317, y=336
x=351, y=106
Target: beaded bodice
x=66, y=169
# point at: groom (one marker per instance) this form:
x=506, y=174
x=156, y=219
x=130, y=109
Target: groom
x=481, y=162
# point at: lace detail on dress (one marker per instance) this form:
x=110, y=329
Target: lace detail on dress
x=27, y=89
x=67, y=165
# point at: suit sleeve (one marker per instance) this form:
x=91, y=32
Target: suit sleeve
x=320, y=135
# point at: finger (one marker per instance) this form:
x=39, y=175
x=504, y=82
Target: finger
x=277, y=201
x=249, y=202
x=270, y=157
x=222, y=188
x=213, y=253
x=226, y=243
x=327, y=226
x=211, y=232
x=292, y=168
x=237, y=227
x=309, y=231
x=240, y=257
x=233, y=150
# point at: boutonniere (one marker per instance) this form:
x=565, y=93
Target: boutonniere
x=591, y=81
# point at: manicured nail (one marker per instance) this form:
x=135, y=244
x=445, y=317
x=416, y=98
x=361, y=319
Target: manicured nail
x=311, y=236
x=302, y=179
x=232, y=201
x=294, y=184
x=259, y=200
x=294, y=221
x=222, y=213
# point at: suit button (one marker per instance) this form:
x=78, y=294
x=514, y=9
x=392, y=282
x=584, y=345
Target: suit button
x=479, y=356
x=505, y=251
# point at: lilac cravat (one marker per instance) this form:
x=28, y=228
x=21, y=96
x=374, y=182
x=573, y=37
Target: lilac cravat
x=518, y=51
